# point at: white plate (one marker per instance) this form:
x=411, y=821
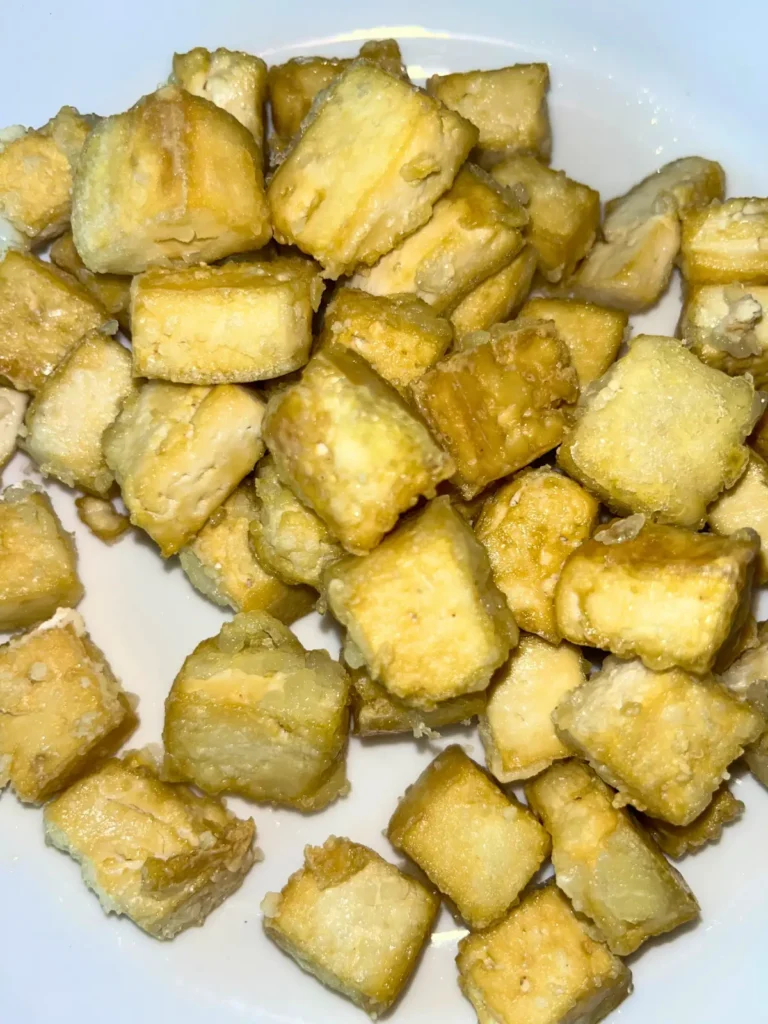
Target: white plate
x=634, y=84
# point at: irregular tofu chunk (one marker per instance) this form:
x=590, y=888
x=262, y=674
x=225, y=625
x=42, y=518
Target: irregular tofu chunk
x=101, y=518
x=663, y=739
x=726, y=242
x=759, y=437
x=678, y=840
x=372, y=160
x=376, y=712
x=724, y=325
x=353, y=920
x=112, y=291
x=516, y=728
x=747, y=680
x=605, y=863
x=499, y=404
x=541, y=966
x=498, y=297
x=746, y=505
x=174, y=179
x=12, y=407
x=178, y=452
x=661, y=433
x=477, y=845
x=160, y=854
x=422, y=611
x=351, y=449
x=756, y=758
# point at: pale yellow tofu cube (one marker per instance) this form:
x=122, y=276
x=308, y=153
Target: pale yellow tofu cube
x=746, y=505
x=726, y=242
x=376, y=712
x=678, y=840
x=498, y=297
x=13, y=405
x=102, y=518
x=725, y=326
x=112, y=291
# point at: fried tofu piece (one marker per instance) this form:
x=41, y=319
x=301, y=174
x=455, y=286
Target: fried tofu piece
x=759, y=437
x=661, y=433
x=376, y=712
x=664, y=740
x=498, y=297
x=173, y=179
x=724, y=325
x=102, y=518
x=160, y=854
x=474, y=231
x=372, y=160
x=747, y=680
x=540, y=965
x=179, y=451
x=351, y=449
x=678, y=840
x=13, y=405
x=592, y=333
x=516, y=727
x=353, y=920
x=756, y=758
x=112, y=291
x=726, y=243
x=422, y=611
x=501, y=403
x=745, y=505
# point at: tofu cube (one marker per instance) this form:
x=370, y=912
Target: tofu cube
x=422, y=611
x=498, y=297
x=759, y=437
x=373, y=158
x=678, y=840
x=726, y=242
x=540, y=965
x=661, y=434
x=112, y=291
x=102, y=518
x=376, y=712
x=500, y=403
x=747, y=680
x=745, y=505
x=756, y=758
x=350, y=448
x=723, y=325
x=13, y=405
x=160, y=854
x=173, y=179
x=179, y=451
x=353, y=920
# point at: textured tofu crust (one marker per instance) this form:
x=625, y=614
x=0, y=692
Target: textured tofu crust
x=12, y=407
x=199, y=194
x=541, y=966
x=663, y=739
x=604, y=861
x=373, y=158
x=353, y=920
x=661, y=433
x=746, y=505
x=726, y=242
x=112, y=291
x=422, y=611
x=101, y=518
x=376, y=712
x=498, y=297
x=158, y=853
x=351, y=449
x=726, y=327
x=477, y=845
x=678, y=840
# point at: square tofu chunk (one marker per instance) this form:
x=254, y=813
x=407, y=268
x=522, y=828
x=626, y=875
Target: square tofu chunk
x=173, y=179
x=516, y=728
x=60, y=707
x=745, y=505
x=500, y=403
x=252, y=713
x=179, y=451
x=160, y=854
x=604, y=862
x=232, y=324
x=422, y=611
x=477, y=845
x=664, y=740
x=541, y=966
x=112, y=291
x=353, y=920
x=726, y=326
x=529, y=527
x=351, y=449
x=102, y=518
x=661, y=433
x=678, y=840
x=726, y=243
x=659, y=593
x=12, y=407
x=498, y=297
x=372, y=160
x=376, y=712
x=592, y=333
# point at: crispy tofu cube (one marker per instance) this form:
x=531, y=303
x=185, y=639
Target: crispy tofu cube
x=67, y=417
x=498, y=297
x=604, y=861
x=678, y=840
x=747, y=680
x=723, y=325
x=376, y=712
x=112, y=291
x=372, y=160
x=160, y=854
x=351, y=449
x=179, y=451
x=353, y=920
x=661, y=433
x=501, y=403
x=592, y=333
x=540, y=965
x=173, y=179
x=13, y=405
x=422, y=611
x=726, y=242
x=478, y=846
x=746, y=505
x=102, y=518
x=474, y=231
x=399, y=335
x=664, y=740
x=756, y=758
x=516, y=728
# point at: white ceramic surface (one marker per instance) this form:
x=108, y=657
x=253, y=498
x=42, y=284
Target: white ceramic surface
x=634, y=84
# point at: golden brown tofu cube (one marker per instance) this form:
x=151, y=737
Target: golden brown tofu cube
x=726, y=242
x=102, y=518
x=661, y=433
x=664, y=740
x=474, y=231
x=377, y=712
x=745, y=505
x=424, y=643
x=678, y=840
x=592, y=333
x=372, y=160
x=352, y=920
x=112, y=291
x=160, y=854
x=13, y=404
x=179, y=451
x=604, y=862
x=540, y=965
x=747, y=680
x=516, y=728
x=173, y=179
x=498, y=297
x=351, y=449
x=756, y=758
x=723, y=324
x=501, y=403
